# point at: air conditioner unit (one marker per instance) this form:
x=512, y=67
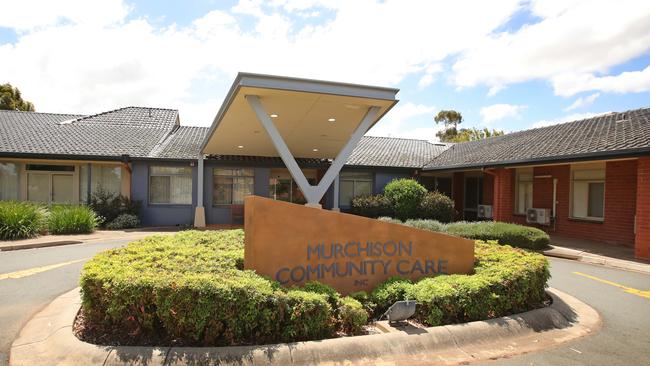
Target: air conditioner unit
x=540, y=216
x=484, y=211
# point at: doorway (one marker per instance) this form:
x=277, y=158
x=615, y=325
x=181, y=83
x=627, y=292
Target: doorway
x=473, y=197
x=50, y=184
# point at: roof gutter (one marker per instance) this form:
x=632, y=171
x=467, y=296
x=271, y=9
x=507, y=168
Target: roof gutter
x=604, y=155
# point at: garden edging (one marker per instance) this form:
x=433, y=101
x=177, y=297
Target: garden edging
x=47, y=339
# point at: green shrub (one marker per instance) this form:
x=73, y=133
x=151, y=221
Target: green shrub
x=189, y=287
x=352, y=315
x=505, y=233
x=437, y=206
x=506, y=281
x=389, y=291
x=124, y=221
x=20, y=220
x=64, y=219
x=371, y=206
x=110, y=205
x=389, y=219
x=405, y=196
x=431, y=225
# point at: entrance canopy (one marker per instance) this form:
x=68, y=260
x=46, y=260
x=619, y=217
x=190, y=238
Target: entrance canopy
x=314, y=118
x=266, y=115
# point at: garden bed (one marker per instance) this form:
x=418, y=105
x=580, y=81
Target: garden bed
x=190, y=289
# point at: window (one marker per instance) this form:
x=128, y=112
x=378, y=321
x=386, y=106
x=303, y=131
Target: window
x=353, y=184
x=108, y=177
x=524, y=190
x=588, y=192
x=282, y=187
x=50, y=183
x=230, y=186
x=170, y=185
x=8, y=181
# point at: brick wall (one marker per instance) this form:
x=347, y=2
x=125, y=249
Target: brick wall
x=488, y=189
x=642, y=243
x=620, y=202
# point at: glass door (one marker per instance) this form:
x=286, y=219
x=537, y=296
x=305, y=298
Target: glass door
x=61, y=188
x=473, y=197
x=38, y=187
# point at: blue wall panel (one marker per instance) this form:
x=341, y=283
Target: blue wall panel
x=160, y=214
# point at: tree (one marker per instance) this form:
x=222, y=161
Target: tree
x=473, y=134
x=10, y=99
x=451, y=119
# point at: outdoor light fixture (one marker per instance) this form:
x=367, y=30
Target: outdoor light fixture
x=400, y=310
x=240, y=146
x=273, y=115
x=314, y=150
x=332, y=120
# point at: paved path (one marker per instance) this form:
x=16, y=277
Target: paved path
x=43, y=274
x=625, y=337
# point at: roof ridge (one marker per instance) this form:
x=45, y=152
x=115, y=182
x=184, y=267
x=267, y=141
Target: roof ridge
x=35, y=112
x=397, y=138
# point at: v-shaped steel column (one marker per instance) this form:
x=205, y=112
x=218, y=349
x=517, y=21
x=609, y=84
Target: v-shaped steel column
x=313, y=194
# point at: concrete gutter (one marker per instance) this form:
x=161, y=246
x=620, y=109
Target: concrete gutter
x=591, y=258
x=47, y=339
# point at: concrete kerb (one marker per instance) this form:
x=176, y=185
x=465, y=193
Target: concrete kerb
x=586, y=257
x=58, y=240
x=47, y=339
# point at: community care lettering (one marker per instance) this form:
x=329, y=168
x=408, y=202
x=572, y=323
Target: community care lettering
x=354, y=259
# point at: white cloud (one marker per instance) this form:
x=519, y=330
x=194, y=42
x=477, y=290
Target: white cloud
x=497, y=112
x=625, y=82
x=24, y=15
x=402, y=122
x=583, y=102
x=573, y=38
x=84, y=56
x=564, y=119
x=430, y=75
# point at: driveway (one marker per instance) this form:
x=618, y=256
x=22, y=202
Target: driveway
x=32, y=278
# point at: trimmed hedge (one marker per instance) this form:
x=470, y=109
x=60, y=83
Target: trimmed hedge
x=505, y=233
x=124, y=221
x=64, y=219
x=405, y=196
x=506, y=281
x=190, y=289
x=21, y=220
x=372, y=206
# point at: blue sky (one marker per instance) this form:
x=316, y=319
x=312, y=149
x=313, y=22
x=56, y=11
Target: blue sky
x=507, y=64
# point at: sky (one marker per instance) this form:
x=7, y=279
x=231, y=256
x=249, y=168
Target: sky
x=504, y=64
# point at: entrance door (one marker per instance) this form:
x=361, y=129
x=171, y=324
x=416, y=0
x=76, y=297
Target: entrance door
x=473, y=197
x=49, y=187
x=61, y=188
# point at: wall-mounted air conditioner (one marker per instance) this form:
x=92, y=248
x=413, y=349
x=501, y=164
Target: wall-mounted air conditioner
x=540, y=216
x=484, y=211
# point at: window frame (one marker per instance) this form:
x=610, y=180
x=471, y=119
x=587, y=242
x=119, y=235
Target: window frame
x=588, y=181
x=518, y=173
x=354, y=181
x=151, y=174
x=232, y=176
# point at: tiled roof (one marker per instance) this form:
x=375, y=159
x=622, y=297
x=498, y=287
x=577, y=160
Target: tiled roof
x=269, y=161
x=140, y=117
x=184, y=142
x=600, y=136
x=394, y=152
x=128, y=131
